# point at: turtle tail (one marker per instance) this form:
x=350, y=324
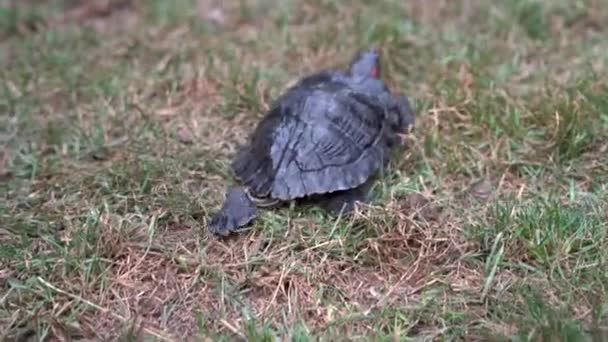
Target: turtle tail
x=237, y=211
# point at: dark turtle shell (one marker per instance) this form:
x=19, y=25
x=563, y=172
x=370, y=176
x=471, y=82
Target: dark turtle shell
x=325, y=136
x=322, y=135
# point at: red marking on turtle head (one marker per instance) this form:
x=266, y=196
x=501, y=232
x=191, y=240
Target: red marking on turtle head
x=366, y=63
x=374, y=71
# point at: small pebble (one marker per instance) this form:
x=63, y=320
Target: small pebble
x=482, y=189
x=184, y=136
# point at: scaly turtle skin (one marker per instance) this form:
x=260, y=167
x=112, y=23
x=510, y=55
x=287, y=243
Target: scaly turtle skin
x=325, y=137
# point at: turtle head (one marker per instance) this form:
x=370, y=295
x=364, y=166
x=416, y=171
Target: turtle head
x=366, y=63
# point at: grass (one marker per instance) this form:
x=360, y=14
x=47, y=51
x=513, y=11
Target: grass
x=119, y=119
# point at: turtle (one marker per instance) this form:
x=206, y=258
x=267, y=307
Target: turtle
x=323, y=138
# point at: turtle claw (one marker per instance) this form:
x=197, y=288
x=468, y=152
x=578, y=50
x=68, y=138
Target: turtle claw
x=236, y=212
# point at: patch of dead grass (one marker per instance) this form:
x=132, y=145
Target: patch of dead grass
x=273, y=282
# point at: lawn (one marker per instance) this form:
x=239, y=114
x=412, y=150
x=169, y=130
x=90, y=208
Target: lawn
x=119, y=120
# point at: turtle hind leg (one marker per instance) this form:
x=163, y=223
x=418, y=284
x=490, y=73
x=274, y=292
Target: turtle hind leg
x=237, y=211
x=344, y=201
x=262, y=202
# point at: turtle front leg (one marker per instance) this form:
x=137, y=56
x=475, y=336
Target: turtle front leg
x=402, y=117
x=237, y=211
x=406, y=115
